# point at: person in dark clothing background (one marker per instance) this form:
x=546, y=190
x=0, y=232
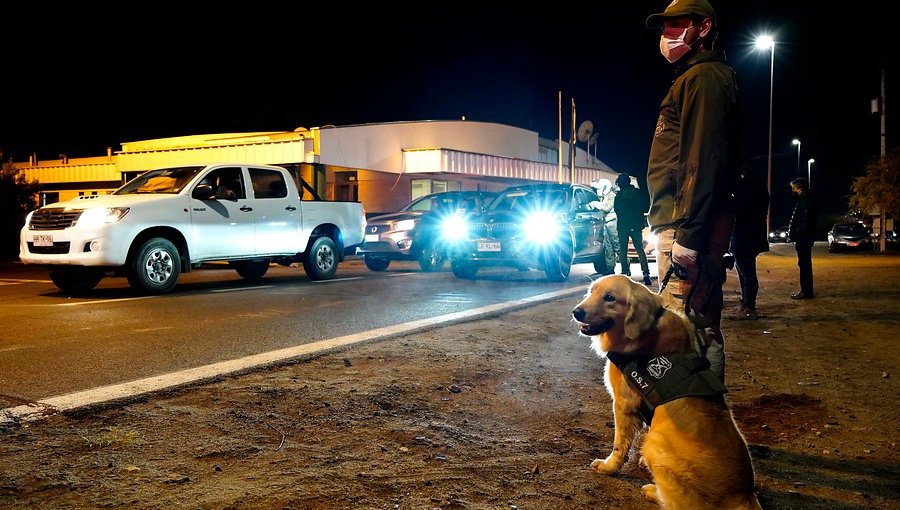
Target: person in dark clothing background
x=749, y=237
x=630, y=207
x=803, y=234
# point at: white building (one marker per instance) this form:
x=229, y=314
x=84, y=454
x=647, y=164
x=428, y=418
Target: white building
x=383, y=166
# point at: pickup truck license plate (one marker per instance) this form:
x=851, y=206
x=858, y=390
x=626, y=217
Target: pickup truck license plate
x=484, y=246
x=371, y=238
x=42, y=240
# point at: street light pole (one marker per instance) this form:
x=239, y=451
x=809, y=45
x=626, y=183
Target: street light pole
x=809, y=171
x=797, y=143
x=766, y=42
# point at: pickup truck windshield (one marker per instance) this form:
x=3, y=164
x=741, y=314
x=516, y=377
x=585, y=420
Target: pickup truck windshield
x=164, y=180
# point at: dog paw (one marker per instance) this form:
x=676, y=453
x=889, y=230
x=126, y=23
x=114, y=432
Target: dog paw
x=605, y=466
x=649, y=492
x=642, y=463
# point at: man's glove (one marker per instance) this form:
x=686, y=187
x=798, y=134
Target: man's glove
x=684, y=257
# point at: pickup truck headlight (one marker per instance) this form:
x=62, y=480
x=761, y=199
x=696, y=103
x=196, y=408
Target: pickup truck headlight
x=405, y=225
x=454, y=228
x=99, y=215
x=542, y=227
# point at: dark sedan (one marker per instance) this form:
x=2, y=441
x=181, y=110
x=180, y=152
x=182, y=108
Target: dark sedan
x=547, y=227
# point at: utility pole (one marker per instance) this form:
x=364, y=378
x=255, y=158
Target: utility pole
x=559, y=176
x=882, y=225
x=572, y=146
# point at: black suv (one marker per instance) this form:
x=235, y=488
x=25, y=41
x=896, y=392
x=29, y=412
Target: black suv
x=534, y=226
x=412, y=233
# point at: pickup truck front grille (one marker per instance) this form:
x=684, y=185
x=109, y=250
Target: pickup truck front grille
x=53, y=219
x=57, y=248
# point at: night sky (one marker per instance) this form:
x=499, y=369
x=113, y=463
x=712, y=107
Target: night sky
x=76, y=87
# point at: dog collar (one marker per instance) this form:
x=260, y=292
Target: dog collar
x=668, y=377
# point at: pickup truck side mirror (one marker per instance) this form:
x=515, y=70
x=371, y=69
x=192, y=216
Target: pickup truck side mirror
x=203, y=192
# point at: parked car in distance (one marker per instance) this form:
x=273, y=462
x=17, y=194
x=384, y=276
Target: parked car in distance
x=545, y=226
x=412, y=232
x=780, y=235
x=849, y=236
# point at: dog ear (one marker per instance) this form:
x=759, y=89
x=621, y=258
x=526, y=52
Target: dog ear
x=641, y=314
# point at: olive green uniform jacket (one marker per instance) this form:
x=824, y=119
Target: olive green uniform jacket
x=696, y=152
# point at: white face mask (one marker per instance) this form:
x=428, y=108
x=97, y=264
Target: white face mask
x=674, y=49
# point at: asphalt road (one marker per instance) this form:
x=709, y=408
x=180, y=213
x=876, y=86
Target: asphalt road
x=52, y=344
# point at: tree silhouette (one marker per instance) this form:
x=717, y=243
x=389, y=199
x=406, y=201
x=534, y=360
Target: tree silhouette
x=17, y=198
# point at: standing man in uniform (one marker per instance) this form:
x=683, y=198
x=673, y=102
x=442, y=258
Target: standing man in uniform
x=693, y=167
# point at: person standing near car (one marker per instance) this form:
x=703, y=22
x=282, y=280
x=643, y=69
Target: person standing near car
x=803, y=234
x=749, y=238
x=606, y=207
x=629, y=207
x=693, y=167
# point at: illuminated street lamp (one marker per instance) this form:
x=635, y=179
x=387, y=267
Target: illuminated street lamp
x=767, y=42
x=797, y=143
x=809, y=171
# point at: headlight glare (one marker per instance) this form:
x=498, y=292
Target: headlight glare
x=100, y=215
x=405, y=225
x=541, y=227
x=454, y=228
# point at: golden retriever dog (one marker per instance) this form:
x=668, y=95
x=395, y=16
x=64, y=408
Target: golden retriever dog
x=693, y=449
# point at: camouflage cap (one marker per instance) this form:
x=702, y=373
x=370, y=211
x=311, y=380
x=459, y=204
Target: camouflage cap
x=682, y=8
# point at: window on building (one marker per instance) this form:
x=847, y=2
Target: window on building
x=422, y=187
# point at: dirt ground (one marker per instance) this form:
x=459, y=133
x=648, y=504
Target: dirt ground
x=500, y=413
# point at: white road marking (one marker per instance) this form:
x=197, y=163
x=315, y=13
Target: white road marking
x=400, y=274
x=101, y=301
x=339, y=279
x=242, y=288
x=16, y=347
x=131, y=389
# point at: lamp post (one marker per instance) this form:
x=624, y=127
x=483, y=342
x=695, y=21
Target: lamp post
x=797, y=143
x=809, y=171
x=767, y=42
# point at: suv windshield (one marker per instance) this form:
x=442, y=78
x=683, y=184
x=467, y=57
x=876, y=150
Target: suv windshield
x=164, y=180
x=433, y=202
x=530, y=200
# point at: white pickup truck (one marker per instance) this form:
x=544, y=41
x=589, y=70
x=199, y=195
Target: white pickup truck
x=167, y=221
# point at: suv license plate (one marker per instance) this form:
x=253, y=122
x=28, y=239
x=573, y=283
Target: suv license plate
x=43, y=240
x=482, y=246
x=371, y=238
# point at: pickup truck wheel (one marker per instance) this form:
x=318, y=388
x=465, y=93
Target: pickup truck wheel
x=559, y=264
x=430, y=259
x=75, y=280
x=251, y=270
x=155, y=267
x=376, y=264
x=463, y=270
x=321, y=262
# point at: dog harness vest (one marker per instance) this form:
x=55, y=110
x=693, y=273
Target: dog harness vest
x=668, y=377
